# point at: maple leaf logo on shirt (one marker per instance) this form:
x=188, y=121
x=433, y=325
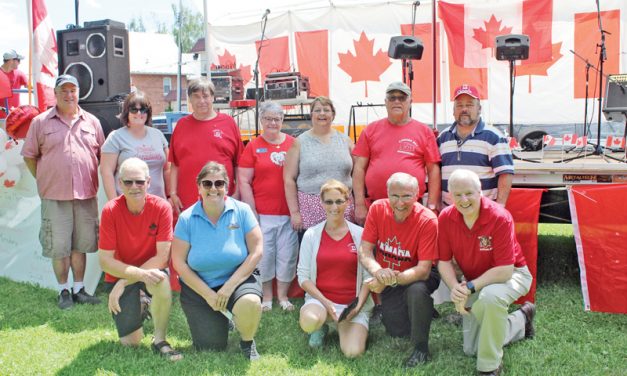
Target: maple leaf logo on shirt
x=364, y=65
x=488, y=35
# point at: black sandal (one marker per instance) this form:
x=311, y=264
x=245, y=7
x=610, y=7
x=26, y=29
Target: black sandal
x=171, y=355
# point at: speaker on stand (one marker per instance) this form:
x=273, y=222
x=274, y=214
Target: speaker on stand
x=98, y=56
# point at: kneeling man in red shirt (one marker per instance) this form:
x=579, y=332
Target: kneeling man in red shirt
x=479, y=234
x=134, y=249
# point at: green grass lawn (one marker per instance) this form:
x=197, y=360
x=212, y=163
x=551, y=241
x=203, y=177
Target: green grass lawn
x=36, y=338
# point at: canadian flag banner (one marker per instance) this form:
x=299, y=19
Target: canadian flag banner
x=548, y=140
x=569, y=139
x=615, y=142
x=582, y=142
x=513, y=143
x=598, y=213
x=471, y=29
x=44, y=62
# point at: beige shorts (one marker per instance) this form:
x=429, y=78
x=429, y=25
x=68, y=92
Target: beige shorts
x=68, y=226
x=362, y=318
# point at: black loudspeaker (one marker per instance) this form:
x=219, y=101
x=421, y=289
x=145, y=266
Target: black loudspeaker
x=98, y=56
x=512, y=47
x=405, y=47
x=615, y=106
x=106, y=112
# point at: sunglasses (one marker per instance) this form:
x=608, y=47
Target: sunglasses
x=208, y=184
x=397, y=98
x=134, y=110
x=129, y=183
x=337, y=202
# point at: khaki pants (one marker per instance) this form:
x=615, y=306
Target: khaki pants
x=489, y=327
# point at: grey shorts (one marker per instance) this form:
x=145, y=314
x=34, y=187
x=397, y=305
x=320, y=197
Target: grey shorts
x=68, y=226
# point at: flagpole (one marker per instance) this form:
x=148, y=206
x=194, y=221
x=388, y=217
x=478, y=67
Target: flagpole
x=29, y=11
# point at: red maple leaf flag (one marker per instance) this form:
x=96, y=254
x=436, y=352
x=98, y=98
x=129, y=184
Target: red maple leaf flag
x=44, y=61
x=513, y=143
x=548, y=140
x=569, y=139
x=540, y=69
x=364, y=65
x=229, y=61
x=582, y=142
x=615, y=142
x=471, y=28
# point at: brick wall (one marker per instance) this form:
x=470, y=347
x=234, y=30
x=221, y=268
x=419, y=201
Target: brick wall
x=152, y=86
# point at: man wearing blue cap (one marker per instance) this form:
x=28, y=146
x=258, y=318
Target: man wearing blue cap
x=62, y=151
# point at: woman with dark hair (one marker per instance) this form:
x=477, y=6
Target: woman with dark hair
x=137, y=139
x=217, y=245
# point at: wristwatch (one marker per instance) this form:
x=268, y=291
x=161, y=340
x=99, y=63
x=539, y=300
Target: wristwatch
x=471, y=286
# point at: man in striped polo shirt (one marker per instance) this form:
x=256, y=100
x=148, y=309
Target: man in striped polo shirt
x=471, y=144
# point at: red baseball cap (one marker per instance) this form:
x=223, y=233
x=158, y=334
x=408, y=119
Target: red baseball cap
x=467, y=89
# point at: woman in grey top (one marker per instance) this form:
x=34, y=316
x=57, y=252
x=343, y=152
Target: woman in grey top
x=136, y=139
x=320, y=154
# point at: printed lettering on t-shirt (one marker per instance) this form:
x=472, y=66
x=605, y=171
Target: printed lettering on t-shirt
x=152, y=229
x=407, y=146
x=485, y=243
x=352, y=248
x=233, y=226
x=278, y=157
x=147, y=153
x=393, y=253
x=217, y=133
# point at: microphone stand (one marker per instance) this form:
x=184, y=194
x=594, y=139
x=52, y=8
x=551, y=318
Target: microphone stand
x=598, y=149
x=256, y=73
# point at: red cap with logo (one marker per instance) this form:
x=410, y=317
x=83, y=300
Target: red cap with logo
x=468, y=90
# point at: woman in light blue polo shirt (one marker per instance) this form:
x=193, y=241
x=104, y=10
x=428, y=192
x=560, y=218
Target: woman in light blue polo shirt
x=217, y=245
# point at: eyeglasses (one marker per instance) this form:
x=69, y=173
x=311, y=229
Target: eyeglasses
x=272, y=119
x=322, y=110
x=397, y=98
x=337, y=202
x=404, y=198
x=208, y=184
x=129, y=183
x=134, y=110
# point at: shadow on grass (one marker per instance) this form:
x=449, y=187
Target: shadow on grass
x=29, y=305
x=557, y=259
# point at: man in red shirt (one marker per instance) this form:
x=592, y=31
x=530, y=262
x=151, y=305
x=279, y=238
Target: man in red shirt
x=135, y=238
x=479, y=234
x=397, y=143
x=17, y=79
x=398, y=248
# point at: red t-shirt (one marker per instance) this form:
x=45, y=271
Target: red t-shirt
x=17, y=79
x=337, y=268
x=133, y=238
x=267, y=159
x=400, y=246
x=195, y=142
x=393, y=148
x=491, y=241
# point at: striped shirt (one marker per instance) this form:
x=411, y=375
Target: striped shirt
x=485, y=151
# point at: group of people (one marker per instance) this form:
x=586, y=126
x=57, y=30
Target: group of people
x=231, y=218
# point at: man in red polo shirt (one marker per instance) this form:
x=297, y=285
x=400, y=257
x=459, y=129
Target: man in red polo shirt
x=398, y=248
x=135, y=238
x=479, y=234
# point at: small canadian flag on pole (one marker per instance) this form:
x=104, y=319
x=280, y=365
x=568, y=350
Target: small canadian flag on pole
x=582, y=142
x=548, y=140
x=569, y=139
x=615, y=142
x=513, y=143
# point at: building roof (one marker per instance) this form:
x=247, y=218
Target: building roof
x=152, y=53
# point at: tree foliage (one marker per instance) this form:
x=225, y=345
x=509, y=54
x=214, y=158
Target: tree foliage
x=137, y=24
x=191, y=27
